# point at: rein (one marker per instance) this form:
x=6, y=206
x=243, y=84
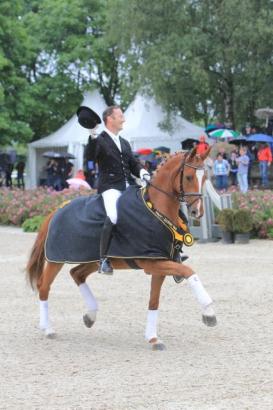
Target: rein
x=182, y=195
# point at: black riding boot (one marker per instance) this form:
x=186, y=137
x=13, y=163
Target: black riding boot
x=106, y=236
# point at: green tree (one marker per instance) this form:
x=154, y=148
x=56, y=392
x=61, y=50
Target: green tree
x=13, y=84
x=207, y=58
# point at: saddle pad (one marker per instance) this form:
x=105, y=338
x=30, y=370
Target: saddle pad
x=74, y=231
x=139, y=233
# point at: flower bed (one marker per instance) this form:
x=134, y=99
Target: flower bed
x=260, y=203
x=17, y=205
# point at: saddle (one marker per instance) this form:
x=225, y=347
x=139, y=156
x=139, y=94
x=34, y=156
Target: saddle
x=140, y=232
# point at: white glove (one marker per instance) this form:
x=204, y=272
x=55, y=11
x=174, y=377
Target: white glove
x=144, y=175
x=93, y=133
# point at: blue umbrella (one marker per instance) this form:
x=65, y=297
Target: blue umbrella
x=260, y=138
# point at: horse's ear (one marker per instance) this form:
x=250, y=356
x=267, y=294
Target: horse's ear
x=192, y=154
x=206, y=153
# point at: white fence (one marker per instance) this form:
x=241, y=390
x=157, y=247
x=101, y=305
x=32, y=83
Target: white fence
x=208, y=230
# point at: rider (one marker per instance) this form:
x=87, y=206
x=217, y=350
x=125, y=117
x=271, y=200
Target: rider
x=116, y=163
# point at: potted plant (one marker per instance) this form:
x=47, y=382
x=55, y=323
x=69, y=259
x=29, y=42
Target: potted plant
x=242, y=225
x=225, y=221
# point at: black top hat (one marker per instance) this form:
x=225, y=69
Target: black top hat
x=88, y=118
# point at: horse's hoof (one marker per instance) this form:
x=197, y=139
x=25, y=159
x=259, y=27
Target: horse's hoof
x=50, y=334
x=158, y=346
x=178, y=279
x=88, y=321
x=210, y=321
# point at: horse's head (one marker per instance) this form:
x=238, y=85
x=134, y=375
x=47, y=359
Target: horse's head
x=189, y=181
x=179, y=179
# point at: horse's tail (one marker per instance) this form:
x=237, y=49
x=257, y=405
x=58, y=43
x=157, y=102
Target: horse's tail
x=36, y=261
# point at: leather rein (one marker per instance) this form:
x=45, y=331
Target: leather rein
x=182, y=195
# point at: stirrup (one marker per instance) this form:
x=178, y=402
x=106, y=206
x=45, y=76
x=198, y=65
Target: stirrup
x=105, y=267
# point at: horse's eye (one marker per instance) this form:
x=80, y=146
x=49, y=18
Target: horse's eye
x=189, y=178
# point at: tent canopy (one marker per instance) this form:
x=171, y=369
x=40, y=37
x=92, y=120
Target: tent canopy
x=71, y=137
x=72, y=132
x=142, y=126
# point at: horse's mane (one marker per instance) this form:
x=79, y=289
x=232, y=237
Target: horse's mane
x=169, y=160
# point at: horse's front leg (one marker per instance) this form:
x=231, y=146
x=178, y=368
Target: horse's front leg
x=197, y=288
x=152, y=316
x=79, y=273
x=194, y=282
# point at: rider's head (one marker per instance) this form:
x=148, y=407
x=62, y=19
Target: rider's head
x=113, y=118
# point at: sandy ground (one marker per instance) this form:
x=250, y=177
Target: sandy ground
x=111, y=366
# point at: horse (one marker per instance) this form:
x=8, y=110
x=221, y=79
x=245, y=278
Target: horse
x=179, y=179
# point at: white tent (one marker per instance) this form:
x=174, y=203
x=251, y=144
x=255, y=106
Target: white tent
x=142, y=126
x=71, y=137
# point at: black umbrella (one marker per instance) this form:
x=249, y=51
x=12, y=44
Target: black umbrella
x=188, y=143
x=238, y=141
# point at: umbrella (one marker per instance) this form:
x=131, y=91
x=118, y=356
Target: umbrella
x=264, y=113
x=76, y=183
x=238, y=141
x=144, y=151
x=260, y=138
x=163, y=149
x=51, y=154
x=149, y=157
x=213, y=127
x=224, y=134
x=188, y=143
x=67, y=155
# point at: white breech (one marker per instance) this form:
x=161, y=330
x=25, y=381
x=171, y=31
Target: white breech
x=110, y=198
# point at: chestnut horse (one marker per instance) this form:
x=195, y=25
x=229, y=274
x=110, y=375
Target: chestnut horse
x=179, y=179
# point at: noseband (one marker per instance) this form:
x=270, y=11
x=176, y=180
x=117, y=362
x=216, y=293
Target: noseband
x=182, y=195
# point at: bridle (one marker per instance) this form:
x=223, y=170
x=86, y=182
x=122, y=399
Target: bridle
x=182, y=195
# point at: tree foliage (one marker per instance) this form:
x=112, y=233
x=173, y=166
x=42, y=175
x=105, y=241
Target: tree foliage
x=206, y=59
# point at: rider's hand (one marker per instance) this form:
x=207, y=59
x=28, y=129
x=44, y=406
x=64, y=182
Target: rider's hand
x=93, y=133
x=144, y=175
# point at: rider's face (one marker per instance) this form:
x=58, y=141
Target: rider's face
x=117, y=119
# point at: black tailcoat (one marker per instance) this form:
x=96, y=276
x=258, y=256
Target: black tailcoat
x=115, y=166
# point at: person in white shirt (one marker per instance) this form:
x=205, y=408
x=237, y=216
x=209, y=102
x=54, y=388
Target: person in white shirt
x=116, y=165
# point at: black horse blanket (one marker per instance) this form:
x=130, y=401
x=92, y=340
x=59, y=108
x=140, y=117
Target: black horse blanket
x=74, y=231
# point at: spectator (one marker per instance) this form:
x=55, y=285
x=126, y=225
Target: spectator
x=20, y=167
x=54, y=178
x=202, y=145
x=221, y=170
x=223, y=153
x=8, y=172
x=243, y=163
x=233, y=167
x=265, y=159
x=251, y=153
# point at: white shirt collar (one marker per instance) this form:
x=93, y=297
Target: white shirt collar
x=114, y=137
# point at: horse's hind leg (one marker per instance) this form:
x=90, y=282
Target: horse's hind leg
x=79, y=274
x=49, y=273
